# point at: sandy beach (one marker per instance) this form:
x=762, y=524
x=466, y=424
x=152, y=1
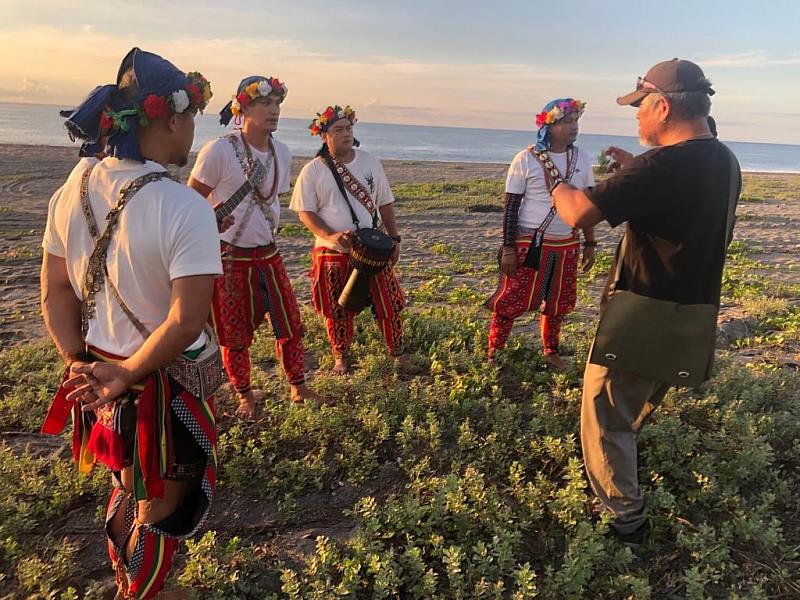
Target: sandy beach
x=769, y=217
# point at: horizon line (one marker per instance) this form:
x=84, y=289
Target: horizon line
x=454, y=127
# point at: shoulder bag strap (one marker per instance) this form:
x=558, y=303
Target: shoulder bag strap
x=551, y=174
x=733, y=194
x=86, y=206
x=97, y=270
x=338, y=178
x=357, y=190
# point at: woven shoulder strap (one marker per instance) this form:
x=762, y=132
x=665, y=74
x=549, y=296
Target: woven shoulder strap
x=551, y=175
x=97, y=270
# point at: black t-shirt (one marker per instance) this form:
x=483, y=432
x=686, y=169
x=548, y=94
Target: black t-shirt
x=675, y=200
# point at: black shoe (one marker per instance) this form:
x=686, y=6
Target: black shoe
x=634, y=538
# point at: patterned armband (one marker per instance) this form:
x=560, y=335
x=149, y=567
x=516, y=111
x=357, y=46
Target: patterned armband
x=511, y=218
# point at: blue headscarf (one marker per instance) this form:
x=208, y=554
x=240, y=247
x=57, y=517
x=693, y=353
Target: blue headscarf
x=542, y=136
x=226, y=114
x=87, y=148
x=140, y=74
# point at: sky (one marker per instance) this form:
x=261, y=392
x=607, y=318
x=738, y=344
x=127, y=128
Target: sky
x=486, y=64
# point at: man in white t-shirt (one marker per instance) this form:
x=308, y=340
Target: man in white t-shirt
x=127, y=276
x=255, y=282
x=333, y=217
x=539, y=254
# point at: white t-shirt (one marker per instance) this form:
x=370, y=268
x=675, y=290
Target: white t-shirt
x=166, y=231
x=316, y=191
x=218, y=167
x=526, y=176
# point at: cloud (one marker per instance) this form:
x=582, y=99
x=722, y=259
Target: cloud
x=61, y=64
x=31, y=90
x=755, y=58
x=33, y=87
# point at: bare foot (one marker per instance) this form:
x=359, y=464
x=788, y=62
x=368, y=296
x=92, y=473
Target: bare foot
x=555, y=362
x=302, y=393
x=406, y=366
x=247, y=404
x=340, y=367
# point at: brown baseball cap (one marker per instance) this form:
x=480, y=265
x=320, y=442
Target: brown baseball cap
x=669, y=76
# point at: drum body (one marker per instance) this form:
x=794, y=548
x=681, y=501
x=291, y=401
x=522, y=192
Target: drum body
x=370, y=254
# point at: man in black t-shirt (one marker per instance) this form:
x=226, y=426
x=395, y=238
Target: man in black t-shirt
x=674, y=199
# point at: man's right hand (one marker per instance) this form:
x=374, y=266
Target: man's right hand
x=619, y=157
x=508, y=261
x=340, y=238
x=98, y=383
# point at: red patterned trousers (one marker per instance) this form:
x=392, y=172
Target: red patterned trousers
x=254, y=284
x=552, y=289
x=329, y=272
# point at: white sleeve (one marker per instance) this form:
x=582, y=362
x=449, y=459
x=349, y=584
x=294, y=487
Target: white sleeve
x=304, y=197
x=286, y=174
x=52, y=242
x=193, y=240
x=210, y=165
x=517, y=178
x=383, y=191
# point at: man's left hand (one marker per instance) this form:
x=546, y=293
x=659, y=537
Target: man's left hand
x=226, y=223
x=395, y=253
x=588, y=258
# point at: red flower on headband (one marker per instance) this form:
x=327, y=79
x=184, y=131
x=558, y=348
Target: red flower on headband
x=541, y=119
x=243, y=99
x=106, y=124
x=195, y=95
x=329, y=114
x=156, y=107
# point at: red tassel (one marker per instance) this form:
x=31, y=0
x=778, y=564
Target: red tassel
x=147, y=428
x=59, y=410
x=104, y=442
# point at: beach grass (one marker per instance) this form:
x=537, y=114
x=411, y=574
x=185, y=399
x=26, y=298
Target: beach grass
x=462, y=481
x=759, y=187
x=458, y=195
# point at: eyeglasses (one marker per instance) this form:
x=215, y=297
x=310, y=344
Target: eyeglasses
x=642, y=85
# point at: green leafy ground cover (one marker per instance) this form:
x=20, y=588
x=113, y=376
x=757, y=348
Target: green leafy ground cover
x=462, y=482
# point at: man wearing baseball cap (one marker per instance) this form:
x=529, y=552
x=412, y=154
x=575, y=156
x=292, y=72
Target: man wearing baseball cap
x=677, y=200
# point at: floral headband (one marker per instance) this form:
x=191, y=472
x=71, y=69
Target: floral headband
x=194, y=95
x=329, y=116
x=559, y=111
x=257, y=89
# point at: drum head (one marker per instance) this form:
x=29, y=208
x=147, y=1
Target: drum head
x=375, y=240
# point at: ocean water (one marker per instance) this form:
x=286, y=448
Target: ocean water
x=41, y=125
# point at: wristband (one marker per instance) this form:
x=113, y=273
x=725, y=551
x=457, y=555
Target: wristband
x=557, y=183
x=589, y=243
x=396, y=238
